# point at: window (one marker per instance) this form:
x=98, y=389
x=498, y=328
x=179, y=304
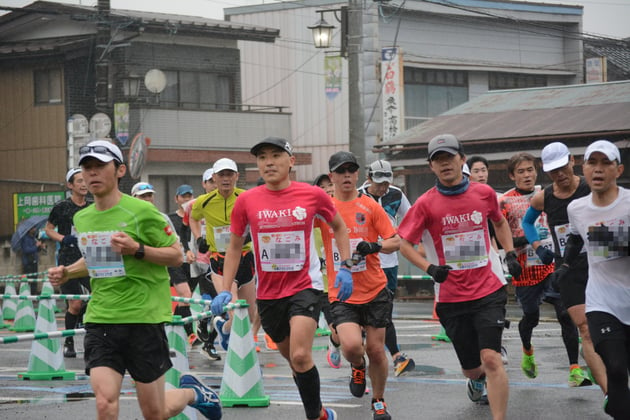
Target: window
x=47, y=85
x=498, y=81
x=197, y=90
x=429, y=93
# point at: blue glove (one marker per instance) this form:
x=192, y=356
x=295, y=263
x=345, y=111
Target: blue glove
x=543, y=232
x=206, y=296
x=69, y=240
x=546, y=255
x=344, y=282
x=220, y=301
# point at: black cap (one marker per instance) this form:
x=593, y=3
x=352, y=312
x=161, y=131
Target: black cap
x=272, y=141
x=341, y=158
x=319, y=178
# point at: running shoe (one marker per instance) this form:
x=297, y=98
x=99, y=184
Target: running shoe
x=68, y=348
x=484, y=397
x=403, y=364
x=357, y=381
x=333, y=356
x=330, y=414
x=206, y=400
x=224, y=338
x=202, y=330
x=269, y=343
x=475, y=388
x=577, y=377
x=528, y=365
x=193, y=340
x=380, y=410
x=504, y=355
x=210, y=352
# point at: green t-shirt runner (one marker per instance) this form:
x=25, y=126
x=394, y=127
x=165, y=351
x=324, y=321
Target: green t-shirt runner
x=142, y=295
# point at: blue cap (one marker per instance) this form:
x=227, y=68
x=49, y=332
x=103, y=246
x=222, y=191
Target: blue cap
x=184, y=189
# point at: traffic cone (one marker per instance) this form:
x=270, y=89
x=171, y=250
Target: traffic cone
x=25, y=315
x=177, y=344
x=46, y=359
x=9, y=305
x=242, y=376
x=322, y=326
x=441, y=336
x=195, y=308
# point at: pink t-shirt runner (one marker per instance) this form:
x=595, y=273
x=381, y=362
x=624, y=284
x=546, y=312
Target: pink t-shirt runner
x=281, y=224
x=454, y=231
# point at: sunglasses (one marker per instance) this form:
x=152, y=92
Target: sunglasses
x=145, y=187
x=83, y=150
x=381, y=174
x=352, y=169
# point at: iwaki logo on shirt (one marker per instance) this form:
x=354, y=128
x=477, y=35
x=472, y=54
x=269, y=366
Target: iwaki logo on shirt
x=298, y=213
x=459, y=219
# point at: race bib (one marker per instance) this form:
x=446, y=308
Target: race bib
x=281, y=251
x=532, y=257
x=221, y=237
x=466, y=250
x=359, y=266
x=101, y=259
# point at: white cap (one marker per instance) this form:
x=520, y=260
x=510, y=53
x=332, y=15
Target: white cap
x=142, y=188
x=207, y=175
x=224, y=163
x=554, y=155
x=72, y=172
x=465, y=169
x=381, y=171
x=603, y=146
x=103, y=150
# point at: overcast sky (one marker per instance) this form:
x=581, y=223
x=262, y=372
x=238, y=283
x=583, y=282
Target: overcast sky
x=601, y=17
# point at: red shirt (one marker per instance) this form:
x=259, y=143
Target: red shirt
x=281, y=224
x=454, y=231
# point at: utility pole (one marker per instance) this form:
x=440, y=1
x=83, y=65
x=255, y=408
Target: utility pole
x=103, y=37
x=356, y=123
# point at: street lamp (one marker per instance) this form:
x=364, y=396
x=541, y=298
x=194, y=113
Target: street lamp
x=351, y=19
x=322, y=30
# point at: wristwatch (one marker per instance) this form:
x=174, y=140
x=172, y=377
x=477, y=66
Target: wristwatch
x=140, y=252
x=347, y=263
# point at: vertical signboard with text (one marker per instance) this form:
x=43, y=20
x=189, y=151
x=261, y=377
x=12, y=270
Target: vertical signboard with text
x=393, y=100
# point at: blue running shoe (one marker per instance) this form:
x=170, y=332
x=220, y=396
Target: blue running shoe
x=224, y=338
x=331, y=414
x=206, y=400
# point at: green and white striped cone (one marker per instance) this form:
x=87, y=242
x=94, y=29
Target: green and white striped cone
x=46, y=360
x=9, y=305
x=195, y=308
x=242, y=377
x=176, y=336
x=24, y=315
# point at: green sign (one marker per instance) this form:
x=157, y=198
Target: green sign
x=26, y=205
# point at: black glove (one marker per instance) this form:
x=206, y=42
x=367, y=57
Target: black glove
x=438, y=272
x=557, y=275
x=69, y=240
x=202, y=245
x=364, y=247
x=513, y=265
x=546, y=255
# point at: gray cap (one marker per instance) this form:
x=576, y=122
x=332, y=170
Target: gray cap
x=272, y=141
x=444, y=143
x=341, y=158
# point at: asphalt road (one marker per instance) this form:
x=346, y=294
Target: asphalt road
x=434, y=390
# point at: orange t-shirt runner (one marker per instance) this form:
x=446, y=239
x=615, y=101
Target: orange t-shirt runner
x=366, y=221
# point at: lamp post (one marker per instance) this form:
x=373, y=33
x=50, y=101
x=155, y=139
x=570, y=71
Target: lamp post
x=351, y=20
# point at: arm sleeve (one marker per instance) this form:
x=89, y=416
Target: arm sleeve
x=572, y=249
x=528, y=224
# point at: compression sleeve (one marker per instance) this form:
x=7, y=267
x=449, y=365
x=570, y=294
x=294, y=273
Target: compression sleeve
x=528, y=224
x=573, y=248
